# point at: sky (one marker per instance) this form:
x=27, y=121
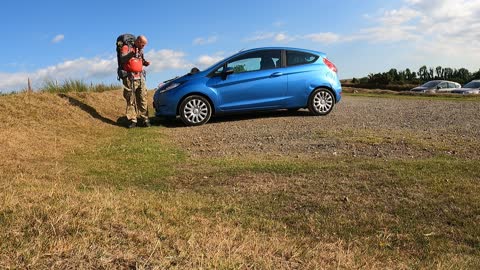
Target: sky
x=75, y=40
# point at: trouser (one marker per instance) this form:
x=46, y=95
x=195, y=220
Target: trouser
x=135, y=93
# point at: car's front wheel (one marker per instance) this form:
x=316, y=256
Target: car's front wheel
x=195, y=110
x=321, y=102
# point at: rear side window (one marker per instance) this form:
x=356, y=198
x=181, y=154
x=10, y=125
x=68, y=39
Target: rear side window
x=295, y=58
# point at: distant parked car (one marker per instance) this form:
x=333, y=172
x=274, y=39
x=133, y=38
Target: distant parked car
x=437, y=86
x=253, y=80
x=472, y=87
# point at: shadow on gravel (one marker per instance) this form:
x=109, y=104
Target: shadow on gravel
x=88, y=109
x=177, y=123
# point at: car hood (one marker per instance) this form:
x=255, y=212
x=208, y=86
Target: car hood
x=181, y=79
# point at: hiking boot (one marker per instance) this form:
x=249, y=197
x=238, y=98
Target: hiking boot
x=132, y=125
x=146, y=123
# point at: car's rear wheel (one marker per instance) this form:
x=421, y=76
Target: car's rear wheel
x=195, y=110
x=321, y=102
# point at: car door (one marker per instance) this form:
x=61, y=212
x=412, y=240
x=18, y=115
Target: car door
x=256, y=83
x=443, y=88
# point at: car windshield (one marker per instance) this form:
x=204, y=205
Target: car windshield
x=431, y=84
x=472, y=85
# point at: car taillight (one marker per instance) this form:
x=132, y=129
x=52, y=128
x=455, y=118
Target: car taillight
x=330, y=65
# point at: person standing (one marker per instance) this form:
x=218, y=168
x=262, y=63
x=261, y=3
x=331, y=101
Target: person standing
x=134, y=88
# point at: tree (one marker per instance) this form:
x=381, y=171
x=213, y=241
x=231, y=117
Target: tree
x=430, y=74
x=379, y=79
x=414, y=76
x=448, y=73
x=440, y=72
x=423, y=73
x=476, y=75
x=410, y=76
x=463, y=75
x=393, y=74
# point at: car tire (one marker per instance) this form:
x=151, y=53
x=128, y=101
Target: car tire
x=321, y=102
x=195, y=110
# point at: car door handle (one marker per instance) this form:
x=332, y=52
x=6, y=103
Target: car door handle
x=276, y=74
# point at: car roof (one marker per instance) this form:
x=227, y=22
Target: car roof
x=214, y=66
x=284, y=48
x=439, y=81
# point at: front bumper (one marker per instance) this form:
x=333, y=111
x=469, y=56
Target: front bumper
x=165, y=104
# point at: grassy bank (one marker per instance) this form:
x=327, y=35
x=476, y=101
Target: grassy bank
x=80, y=191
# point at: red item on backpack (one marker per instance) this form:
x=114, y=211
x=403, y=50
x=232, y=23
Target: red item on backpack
x=134, y=65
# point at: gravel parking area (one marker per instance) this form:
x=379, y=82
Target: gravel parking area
x=358, y=126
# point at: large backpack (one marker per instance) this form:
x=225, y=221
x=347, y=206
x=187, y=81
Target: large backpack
x=122, y=40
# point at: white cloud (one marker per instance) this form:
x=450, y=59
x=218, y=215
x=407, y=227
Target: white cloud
x=327, y=37
x=388, y=34
x=261, y=36
x=80, y=68
x=89, y=69
x=13, y=82
x=58, y=38
x=280, y=37
x=205, y=61
x=452, y=26
x=399, y=16
x=204, y=41
x=438, y=27
x=166, y=59
x=391, y=26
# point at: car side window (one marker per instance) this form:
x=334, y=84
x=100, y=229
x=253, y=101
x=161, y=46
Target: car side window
x=245, y=64
x=443, y=85
x=255, y=61
x=451, y=85
x=300, y=58
x=219, y=70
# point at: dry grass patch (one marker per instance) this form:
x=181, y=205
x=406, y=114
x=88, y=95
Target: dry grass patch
x=77, y=191
x=39, y=129
x=411, y=210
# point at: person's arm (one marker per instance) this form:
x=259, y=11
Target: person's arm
x=145, y=62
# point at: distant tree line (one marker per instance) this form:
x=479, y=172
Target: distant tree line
x=424, y=74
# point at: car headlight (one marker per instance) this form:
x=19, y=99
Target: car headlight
x=169, y=87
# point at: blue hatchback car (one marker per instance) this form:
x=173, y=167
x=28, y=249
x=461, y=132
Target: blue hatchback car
x=252, y=80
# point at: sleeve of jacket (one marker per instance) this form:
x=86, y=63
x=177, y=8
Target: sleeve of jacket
x=144, y=62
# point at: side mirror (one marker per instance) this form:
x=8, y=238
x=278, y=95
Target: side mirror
x=438, y=87
x=228, y=71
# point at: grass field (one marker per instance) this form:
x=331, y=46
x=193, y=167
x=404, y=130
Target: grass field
x=79, y=191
